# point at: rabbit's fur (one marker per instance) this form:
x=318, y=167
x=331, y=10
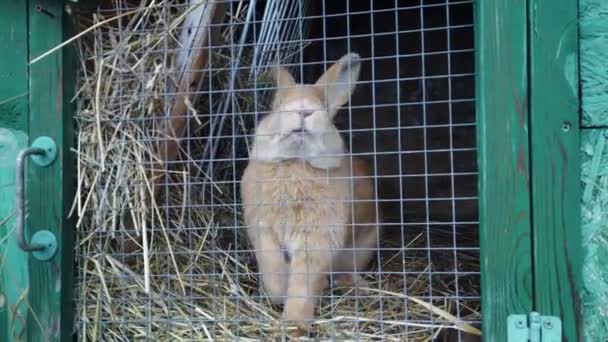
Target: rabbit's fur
x=306, y=203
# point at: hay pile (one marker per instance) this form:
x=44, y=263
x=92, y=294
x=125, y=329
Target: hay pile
x=594, y=158
x=191, y=279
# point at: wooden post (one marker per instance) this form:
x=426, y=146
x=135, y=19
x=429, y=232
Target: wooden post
x=50, y=190
x=504, y=164
x=554, y=143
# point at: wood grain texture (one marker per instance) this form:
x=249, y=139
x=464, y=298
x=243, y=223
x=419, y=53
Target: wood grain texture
x=504, y=188
x=593, y=20
x=13, y=68
x=14, y=282
x=554, y=131
x=594, y=213
x=49, y=190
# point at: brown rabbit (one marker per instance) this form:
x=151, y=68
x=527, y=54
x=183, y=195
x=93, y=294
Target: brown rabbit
x=309, y=207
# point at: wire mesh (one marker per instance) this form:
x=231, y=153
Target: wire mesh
x=162, y=248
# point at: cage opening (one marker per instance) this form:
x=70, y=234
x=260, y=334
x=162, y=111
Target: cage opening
x=192, y=273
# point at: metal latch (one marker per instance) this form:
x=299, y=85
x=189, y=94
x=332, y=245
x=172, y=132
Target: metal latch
x=43, y=245
x=534, y=328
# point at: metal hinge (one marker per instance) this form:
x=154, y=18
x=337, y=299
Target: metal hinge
x=534, y=328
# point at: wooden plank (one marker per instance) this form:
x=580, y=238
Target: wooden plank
x=594, y=180
x=554, y=131
x=14, y=280
x=13, y=69
x=13, y=137
x=68, y=178
x=504, y=188
x=593, y=30
x=49, y=190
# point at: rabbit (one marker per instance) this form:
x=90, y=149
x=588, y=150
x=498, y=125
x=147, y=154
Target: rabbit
x=309, y=208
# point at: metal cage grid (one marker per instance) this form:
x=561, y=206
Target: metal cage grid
x=179, y=266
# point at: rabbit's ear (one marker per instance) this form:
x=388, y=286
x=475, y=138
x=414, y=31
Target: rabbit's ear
x=282, y=77
x=283, y=82
x=338, y=82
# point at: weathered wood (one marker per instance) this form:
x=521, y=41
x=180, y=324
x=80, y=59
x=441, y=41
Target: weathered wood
x=504, y=184
x=554, y=130
x=50, y=190
x=13, y=69
x=14, y=280
x=593, y=20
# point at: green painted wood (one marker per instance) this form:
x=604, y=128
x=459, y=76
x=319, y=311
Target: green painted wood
x=14, y=280
x=13, y=68
x=504, y=188
x=13, y=126
x=68, y=177
x=555, y=138
x=50, y=190
x=593, y=20
x=594, y=213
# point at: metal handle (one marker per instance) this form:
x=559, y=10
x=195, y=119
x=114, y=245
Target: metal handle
x=43, y=244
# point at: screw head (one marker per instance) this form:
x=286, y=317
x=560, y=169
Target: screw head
x=519, y=324
x=566, y=126
x=548, y=325
x=47, y=240
x=48, y=145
